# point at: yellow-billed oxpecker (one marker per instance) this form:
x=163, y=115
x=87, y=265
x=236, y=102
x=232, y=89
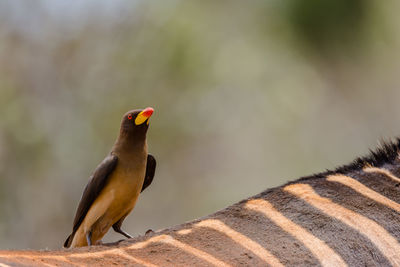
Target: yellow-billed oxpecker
x=115, y=185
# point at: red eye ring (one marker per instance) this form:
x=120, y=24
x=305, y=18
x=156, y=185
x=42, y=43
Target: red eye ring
x=130, y=116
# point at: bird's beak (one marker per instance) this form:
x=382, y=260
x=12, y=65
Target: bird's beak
x=144, y=115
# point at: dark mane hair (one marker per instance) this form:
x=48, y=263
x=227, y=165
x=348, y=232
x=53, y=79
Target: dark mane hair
x=386, y=153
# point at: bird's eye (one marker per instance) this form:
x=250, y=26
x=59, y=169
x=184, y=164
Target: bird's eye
x=130, y=116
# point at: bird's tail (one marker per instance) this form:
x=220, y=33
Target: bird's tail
x=68, y=242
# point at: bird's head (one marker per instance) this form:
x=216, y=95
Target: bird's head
x=136, y=122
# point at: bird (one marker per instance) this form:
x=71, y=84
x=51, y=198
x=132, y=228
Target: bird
x=116, y=183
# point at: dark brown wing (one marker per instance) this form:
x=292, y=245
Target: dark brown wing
x=150, y=171
x=96, y=183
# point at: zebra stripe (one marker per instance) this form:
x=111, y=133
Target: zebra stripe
x=319, y=248
x=382, y=171
x=386, y=243
x=363, y=190
x=242, y=240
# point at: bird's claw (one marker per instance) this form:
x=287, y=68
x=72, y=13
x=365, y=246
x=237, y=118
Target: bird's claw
x=149, y=232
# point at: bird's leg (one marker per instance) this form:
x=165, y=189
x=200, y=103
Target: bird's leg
x=89, y=237
x=117, y=228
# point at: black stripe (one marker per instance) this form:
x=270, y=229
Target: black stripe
x=354, y=248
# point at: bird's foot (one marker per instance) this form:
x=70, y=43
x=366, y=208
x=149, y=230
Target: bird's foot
x=149, y=232
x=122, y=232
x=89, y=238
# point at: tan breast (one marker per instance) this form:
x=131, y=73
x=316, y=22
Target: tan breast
x=116, y=200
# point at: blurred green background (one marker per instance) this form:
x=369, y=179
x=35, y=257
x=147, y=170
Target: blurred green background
x=248, y=95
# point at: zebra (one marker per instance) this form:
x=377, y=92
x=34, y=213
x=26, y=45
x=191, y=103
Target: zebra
x=349, y=216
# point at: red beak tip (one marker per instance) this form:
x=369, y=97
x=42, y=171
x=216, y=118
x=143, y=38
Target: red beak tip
x=148, y=111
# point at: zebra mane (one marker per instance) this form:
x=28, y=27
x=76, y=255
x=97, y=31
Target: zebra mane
x=386, y=153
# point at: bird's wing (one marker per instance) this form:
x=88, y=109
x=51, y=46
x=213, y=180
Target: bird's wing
x=150, y=171
x=92, y=190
